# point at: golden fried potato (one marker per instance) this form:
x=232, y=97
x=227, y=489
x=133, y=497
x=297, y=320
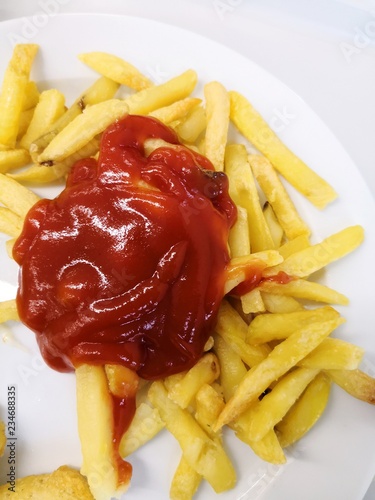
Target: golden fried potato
x=116, y=69
x=3, y=440
x=13, y=91
x=63, y=484
x=251, y=124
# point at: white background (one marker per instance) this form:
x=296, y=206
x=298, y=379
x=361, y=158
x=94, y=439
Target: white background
x=324, y=50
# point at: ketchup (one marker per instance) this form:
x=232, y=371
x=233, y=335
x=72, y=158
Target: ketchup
x=127, y=264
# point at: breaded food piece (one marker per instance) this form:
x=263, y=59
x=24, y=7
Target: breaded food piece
x=63, y=484
x=3, y=439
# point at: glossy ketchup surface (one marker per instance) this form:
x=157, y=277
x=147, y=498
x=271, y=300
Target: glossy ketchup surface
x=127, y=265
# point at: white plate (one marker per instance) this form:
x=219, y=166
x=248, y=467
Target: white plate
x=337, y=458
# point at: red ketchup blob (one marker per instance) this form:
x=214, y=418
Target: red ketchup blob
x=128, y=264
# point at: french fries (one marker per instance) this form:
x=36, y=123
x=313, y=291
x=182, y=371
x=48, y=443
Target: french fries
x=13, y=158
x=263, y=415
x=206, y=456
x=144, y=426
x=16, y=197
x=205, y=371
x=305, y=412
x=95, y=424
x=185, y=481
x=283, y=357
x=267, y=327
x=50, y=107
x=243, y=191
x=8, y=311
x=101, y=90
x=309, y=260
x=116, y=69
x=285, y=211
x=270, y=361
x=158, y=96
x=217, y=115
x=256, y=130
x=13, y=91
x=94, y=120
x=10, y=222
x=356, y=383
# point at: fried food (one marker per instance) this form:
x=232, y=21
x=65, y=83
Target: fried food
x=64, y=484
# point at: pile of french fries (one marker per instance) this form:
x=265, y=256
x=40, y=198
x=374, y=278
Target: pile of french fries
x=268, y=367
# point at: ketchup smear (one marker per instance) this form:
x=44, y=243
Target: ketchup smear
x=127, y=265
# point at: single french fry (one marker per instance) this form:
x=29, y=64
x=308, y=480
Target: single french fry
x=204, y=455
x=13, y=158
x=116, y=69
x=25, y=119
x=356, y=383
x=306, y=411
x=10, y=222
x=176, y=110
x=217, y=115
x=145, y=425
x=252, y=302
x=101, y=90
x=268, y=448
x=277, y=196
x=243, y=191
x=154, y=143
x=266, y=413
x=50, y=107
x=232, y=368
x=94, y=120
x=233, y=329
x=185, y=481
x=334, y=354
x=283, y=357
x=174, y=379
x=205, y=371
x=192, y=126
x=36, y=174
x=250, y=267
x=309, y=260
x=267, y=327
x=16, y=197
x=209, y=405
x=303, y=289
x=280, y=303
x=39, y=174
x=122, y=381
x=294, y=245
x=8, y=311
x=95, y=426
x=275, y=228
x=31, y=96
x=9, y=244
x=13, y=91
x=239, y=241
x=147, y=100
x=255, y=129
